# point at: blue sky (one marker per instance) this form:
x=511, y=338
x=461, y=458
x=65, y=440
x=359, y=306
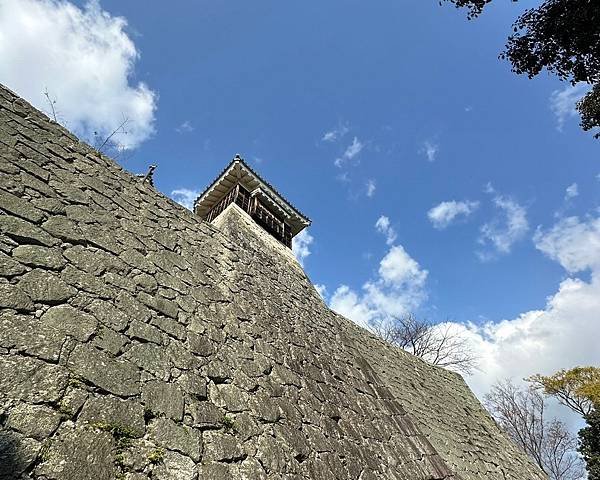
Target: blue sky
x=356, y=111
x=269, y=79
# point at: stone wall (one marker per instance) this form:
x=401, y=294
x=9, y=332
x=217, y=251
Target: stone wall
x=137, y=342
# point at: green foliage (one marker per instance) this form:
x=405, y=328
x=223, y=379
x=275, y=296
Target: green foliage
x=577, y=388
x=560, y=36
x=120, y=460
x=156, y=456
x=76, y=383
x=228, y=424
x=122, y=433
x=589, y=446
x=44, y=454
x=474, y=7
x=589, y=107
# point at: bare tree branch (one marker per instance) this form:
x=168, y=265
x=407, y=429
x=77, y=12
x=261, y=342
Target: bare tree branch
x=119, y=129
x=521, y=413
x=51, y=103
x=440, y=344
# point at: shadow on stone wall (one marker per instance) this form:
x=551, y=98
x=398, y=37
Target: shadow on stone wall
x=11, y=464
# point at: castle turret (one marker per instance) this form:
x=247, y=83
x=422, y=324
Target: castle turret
x=240, y=185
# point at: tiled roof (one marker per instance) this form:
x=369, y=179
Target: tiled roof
x=240, y=160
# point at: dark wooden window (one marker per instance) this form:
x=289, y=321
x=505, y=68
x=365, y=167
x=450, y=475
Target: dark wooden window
x=222, y=204
x=271, y=223
x=259, y=212
x=243, y=198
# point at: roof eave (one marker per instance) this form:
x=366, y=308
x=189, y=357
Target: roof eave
x=274, y=194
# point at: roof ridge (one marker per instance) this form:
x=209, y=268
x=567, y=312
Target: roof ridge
x=238, y=158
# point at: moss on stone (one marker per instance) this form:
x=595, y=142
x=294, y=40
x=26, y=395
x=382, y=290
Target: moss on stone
x=120, y=432
x=156, y=456
x=228, y=424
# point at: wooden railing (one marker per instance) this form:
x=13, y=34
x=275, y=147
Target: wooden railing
x=253, y=206
x=271, y=223
x=222, y=204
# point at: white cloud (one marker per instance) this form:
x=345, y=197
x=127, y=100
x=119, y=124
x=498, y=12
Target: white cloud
x=343, y=177
x=396, y=290
x=329, y=136
x=572, y=191
x=371, y=186
x=185, y=197
x=335, y=134
x=430, y=150
x=502, y=232
x=572, y=243
x=348, y=303
x=398, y=268
x=84, y=58
x=489, y=188
x=185, y=127
x=445, y=213
x=321, y=290
x=563, y=102
x=301, y=244
x=398, y=287
x=565, y=332
x=384, y=226
x=351, y=151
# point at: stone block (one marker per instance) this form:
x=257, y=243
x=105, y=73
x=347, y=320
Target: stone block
x=28, y=334
x=194, y=384
x=160, y=304
x=180, y=438
x=115, y=376
x=10, y=267
x=126, y=416
x=143, y=331
x=200, y=344
x=109, y=340
x=14, y=298
x=70, y=321
x=19, y=207
x=163, y=398
x=36, y=421
x=39, y=256
x=63, y=228
x=25, y=232
x=150, y=357
x=17, y=454
x=177, y=467
x=45, y=287
x=78, y=454
x=222, y=448
x=109, y=315
x=31, y=380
